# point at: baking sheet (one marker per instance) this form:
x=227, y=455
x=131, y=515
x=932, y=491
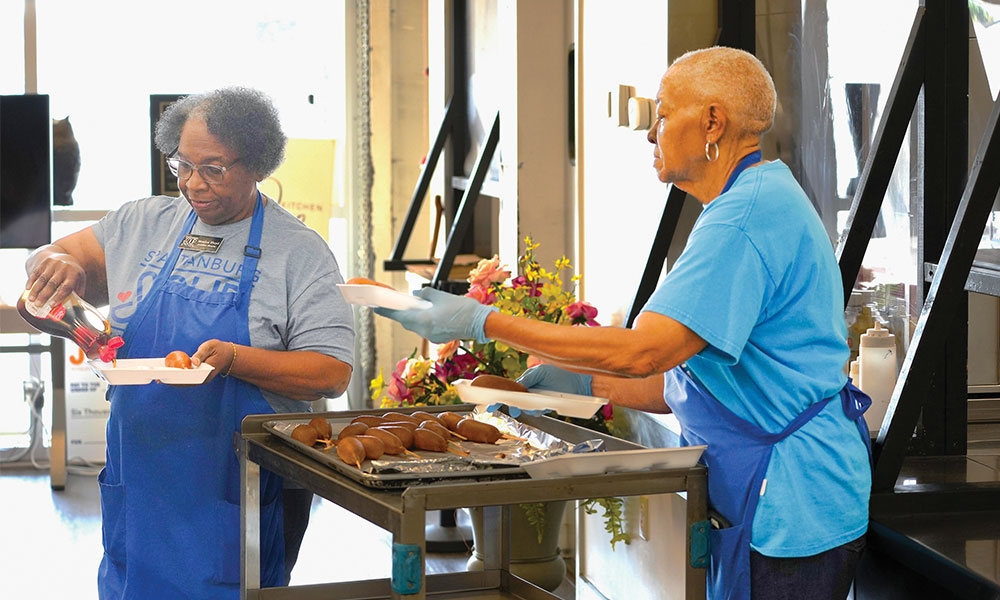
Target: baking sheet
x=502, y=460
x=568, y=405
x=376, y=295
x=140, y=371
x=598, y=463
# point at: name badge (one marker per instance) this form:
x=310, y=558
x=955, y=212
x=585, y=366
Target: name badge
x=200, y=243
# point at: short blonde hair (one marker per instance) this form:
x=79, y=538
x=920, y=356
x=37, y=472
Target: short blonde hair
x=734, y=78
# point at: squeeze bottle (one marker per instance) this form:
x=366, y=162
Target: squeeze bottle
x=877, y=372
x=73, y=319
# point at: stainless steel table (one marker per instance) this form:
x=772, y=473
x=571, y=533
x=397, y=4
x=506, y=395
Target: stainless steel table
x=402, y=512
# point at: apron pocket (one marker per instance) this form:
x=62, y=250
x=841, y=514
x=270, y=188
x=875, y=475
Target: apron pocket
x=113, y=525
x=729, y=569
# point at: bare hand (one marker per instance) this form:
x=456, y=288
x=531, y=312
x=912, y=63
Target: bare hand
x=217, y=353
x=55, y=277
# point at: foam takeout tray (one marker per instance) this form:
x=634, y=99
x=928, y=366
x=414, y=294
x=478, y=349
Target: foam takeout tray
x=568, y=405
x=376, y=295
x=140, y=371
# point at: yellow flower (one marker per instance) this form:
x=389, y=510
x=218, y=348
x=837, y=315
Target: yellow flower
x=536, y=293
x=377, y=385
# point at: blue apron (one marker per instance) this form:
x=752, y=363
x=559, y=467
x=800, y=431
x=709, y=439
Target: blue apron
x=737, y=457
x=170, y=490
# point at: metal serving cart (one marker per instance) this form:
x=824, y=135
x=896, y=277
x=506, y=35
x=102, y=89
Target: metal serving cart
x=402, y=512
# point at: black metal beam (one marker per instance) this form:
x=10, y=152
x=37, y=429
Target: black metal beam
x=395, y=261
x=943, y=301
x=945, y=165
x=658, y=253
x=460, y=142
x=737, y=25
x=450, y=145
x=463, y=219
x=874, y=179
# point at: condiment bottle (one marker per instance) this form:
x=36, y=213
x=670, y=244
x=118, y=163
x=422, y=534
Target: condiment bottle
x=877, y=372
x=860, y=318
x=73, y=319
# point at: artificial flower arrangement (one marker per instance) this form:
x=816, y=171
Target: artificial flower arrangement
x=536, y=293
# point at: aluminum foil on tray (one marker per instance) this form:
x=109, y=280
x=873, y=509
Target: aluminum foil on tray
x=521, y=444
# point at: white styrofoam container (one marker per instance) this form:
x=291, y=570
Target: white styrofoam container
x=568, y=405
x=140, y=371
x=376, y=295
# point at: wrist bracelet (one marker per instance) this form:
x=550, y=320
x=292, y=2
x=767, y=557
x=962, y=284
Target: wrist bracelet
x=232, y=362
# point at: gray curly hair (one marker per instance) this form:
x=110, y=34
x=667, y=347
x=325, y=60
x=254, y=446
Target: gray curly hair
x=243, y=119
x=735, y=78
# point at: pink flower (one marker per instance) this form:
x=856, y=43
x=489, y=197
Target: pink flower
x=534, y=289
x=446, y=351
x=466, y=364
x=483, y=295
x=398, y=390
x=581, y=313
x=460, y=366
x=489, y=270
x=401, y=366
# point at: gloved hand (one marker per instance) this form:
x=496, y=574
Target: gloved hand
x=450, y=317
x=551, y=378
x=515, y=412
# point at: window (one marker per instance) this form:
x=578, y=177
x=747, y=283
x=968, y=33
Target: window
x=100, y=63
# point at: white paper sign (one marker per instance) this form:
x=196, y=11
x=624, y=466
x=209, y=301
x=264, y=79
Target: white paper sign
x=87, y=410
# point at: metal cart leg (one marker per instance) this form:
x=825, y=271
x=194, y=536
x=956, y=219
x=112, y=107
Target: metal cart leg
x=249, y=526
x=409, y=551
x=697, y=520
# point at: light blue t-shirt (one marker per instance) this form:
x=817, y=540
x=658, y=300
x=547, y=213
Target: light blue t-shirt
x=758, y=281
x=295, y=303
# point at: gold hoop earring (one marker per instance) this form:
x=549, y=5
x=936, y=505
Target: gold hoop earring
x=708, y=155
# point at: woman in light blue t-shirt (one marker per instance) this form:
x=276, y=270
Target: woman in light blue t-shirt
x=744, y=341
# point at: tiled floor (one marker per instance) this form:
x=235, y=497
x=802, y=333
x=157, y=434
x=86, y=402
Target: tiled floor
x=50, y=541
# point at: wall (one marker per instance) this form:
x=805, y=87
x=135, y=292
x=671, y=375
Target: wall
x=533, y=130
x=399, y=141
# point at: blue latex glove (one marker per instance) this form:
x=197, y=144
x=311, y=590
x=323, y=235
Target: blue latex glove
x=551, y=378
x=515, y=412
x=449, y=318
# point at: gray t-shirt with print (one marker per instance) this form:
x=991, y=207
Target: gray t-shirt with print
x=295, y=303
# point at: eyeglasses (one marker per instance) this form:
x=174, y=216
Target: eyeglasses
x=183, y=170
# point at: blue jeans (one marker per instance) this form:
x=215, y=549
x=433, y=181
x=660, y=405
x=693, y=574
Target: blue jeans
x=825, y=576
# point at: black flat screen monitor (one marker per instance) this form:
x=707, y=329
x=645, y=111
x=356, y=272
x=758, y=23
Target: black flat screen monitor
x=25, y=171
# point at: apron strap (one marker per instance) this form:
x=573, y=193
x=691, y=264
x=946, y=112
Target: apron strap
x=142, y=309
x=251, y=252
x=251, y=255
x=855, y=403
x=799, y=421
x=750, y=159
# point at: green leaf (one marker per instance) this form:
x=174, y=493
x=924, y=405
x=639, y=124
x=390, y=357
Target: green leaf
x=614, y=523
x=535, y=513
